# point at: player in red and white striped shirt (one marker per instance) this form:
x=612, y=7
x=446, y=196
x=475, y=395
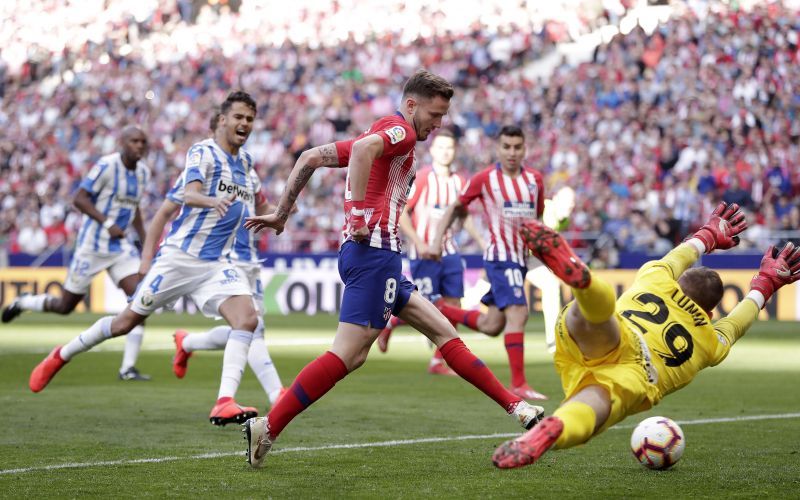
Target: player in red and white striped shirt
x=434, y=189
x=380, y=168
x=511, y=194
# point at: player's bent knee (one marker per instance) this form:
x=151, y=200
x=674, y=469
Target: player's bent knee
x=62, y=308
x=493, y=332
x=356, y=362
x=493, y=328
x=247, y=322
x=121, y=325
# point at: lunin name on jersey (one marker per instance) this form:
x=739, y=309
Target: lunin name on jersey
x=116, y=192
x=678, y=333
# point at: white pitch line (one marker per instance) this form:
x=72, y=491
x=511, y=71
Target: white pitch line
x=350, y=446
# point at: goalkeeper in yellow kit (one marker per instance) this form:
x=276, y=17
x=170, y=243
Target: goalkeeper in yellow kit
x=617, y=357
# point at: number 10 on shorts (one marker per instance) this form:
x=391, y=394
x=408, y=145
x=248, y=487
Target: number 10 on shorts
x=514, y=277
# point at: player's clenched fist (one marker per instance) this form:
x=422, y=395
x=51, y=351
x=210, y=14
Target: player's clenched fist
x=357, y=224
x=777, y=269
x=723, y=228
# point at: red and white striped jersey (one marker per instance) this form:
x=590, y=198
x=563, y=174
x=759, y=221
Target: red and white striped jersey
x=389, y=180
x=507, y=202
x=429, y=198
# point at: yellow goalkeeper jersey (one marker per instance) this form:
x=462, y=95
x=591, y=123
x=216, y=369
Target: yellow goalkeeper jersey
x=679, y=334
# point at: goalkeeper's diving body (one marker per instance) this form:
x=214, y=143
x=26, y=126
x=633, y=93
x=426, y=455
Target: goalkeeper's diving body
x=618, y=357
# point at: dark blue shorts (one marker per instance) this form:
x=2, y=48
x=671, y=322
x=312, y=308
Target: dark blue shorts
x=374, y=287
x=445, y=278
x=508, y=284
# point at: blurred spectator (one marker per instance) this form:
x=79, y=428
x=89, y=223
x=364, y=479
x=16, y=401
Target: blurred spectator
x=31, y=238
x=735, y=194
x=665, y=124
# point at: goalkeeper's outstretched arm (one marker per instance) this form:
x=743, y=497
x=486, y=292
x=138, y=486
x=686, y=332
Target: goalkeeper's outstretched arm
x=777, y=269
x=720, y=232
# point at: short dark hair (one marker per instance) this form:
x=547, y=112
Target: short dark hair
x=237, y=96
x=446, y=132
x=511, y=131
x=703, y=285
x=425, y=84
x=214, y=121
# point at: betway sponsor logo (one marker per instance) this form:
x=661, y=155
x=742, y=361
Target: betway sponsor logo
x=242, y=194
x=520, y=209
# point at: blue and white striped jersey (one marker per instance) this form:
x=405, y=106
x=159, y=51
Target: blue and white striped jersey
x=245, y=246
x=201, y=232
x=116, y=192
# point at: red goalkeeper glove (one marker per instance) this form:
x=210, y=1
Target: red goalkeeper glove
x=777, y=269
x=723, y=227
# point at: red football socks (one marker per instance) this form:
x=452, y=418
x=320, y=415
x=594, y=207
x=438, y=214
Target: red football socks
x=313, y=381
x=472, y=369
x=515, y=347
x=458, y=315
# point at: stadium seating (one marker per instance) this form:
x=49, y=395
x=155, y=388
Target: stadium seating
x=650, y=132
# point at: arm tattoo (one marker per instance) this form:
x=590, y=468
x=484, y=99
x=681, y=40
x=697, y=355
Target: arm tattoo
x=293, y=191
x=329, y=154
x=281, y=213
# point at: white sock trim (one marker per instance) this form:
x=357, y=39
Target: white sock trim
x=213, y=339
x=233, y=362
x=133, y=344
x=33, y=302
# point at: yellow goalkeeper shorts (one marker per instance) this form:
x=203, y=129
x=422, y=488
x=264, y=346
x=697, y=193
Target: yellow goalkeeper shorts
x=622, y=372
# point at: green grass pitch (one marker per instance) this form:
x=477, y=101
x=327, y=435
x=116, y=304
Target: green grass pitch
x=89, y=434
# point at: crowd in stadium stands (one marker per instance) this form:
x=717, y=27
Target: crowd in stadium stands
x=650, y=133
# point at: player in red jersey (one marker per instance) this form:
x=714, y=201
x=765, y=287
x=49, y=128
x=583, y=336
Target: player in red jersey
x=381, y=167
x=434, y=189
x=511, y=194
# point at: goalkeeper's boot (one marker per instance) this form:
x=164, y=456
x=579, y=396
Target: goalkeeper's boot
x=259, y=442
x=228, y=412
x=529, y=447
x=526, y=414
x=46, y=370
x=181, y=359
x=554, y=252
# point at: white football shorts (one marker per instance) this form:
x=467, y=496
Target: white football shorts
x=252, y=273
x=86, y=265
x=176, y=274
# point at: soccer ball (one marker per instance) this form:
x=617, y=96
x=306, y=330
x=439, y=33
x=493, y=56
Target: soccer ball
x=657, y=443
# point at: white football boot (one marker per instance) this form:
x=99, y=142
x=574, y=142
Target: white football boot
x=527, y=414
x=256, y=433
